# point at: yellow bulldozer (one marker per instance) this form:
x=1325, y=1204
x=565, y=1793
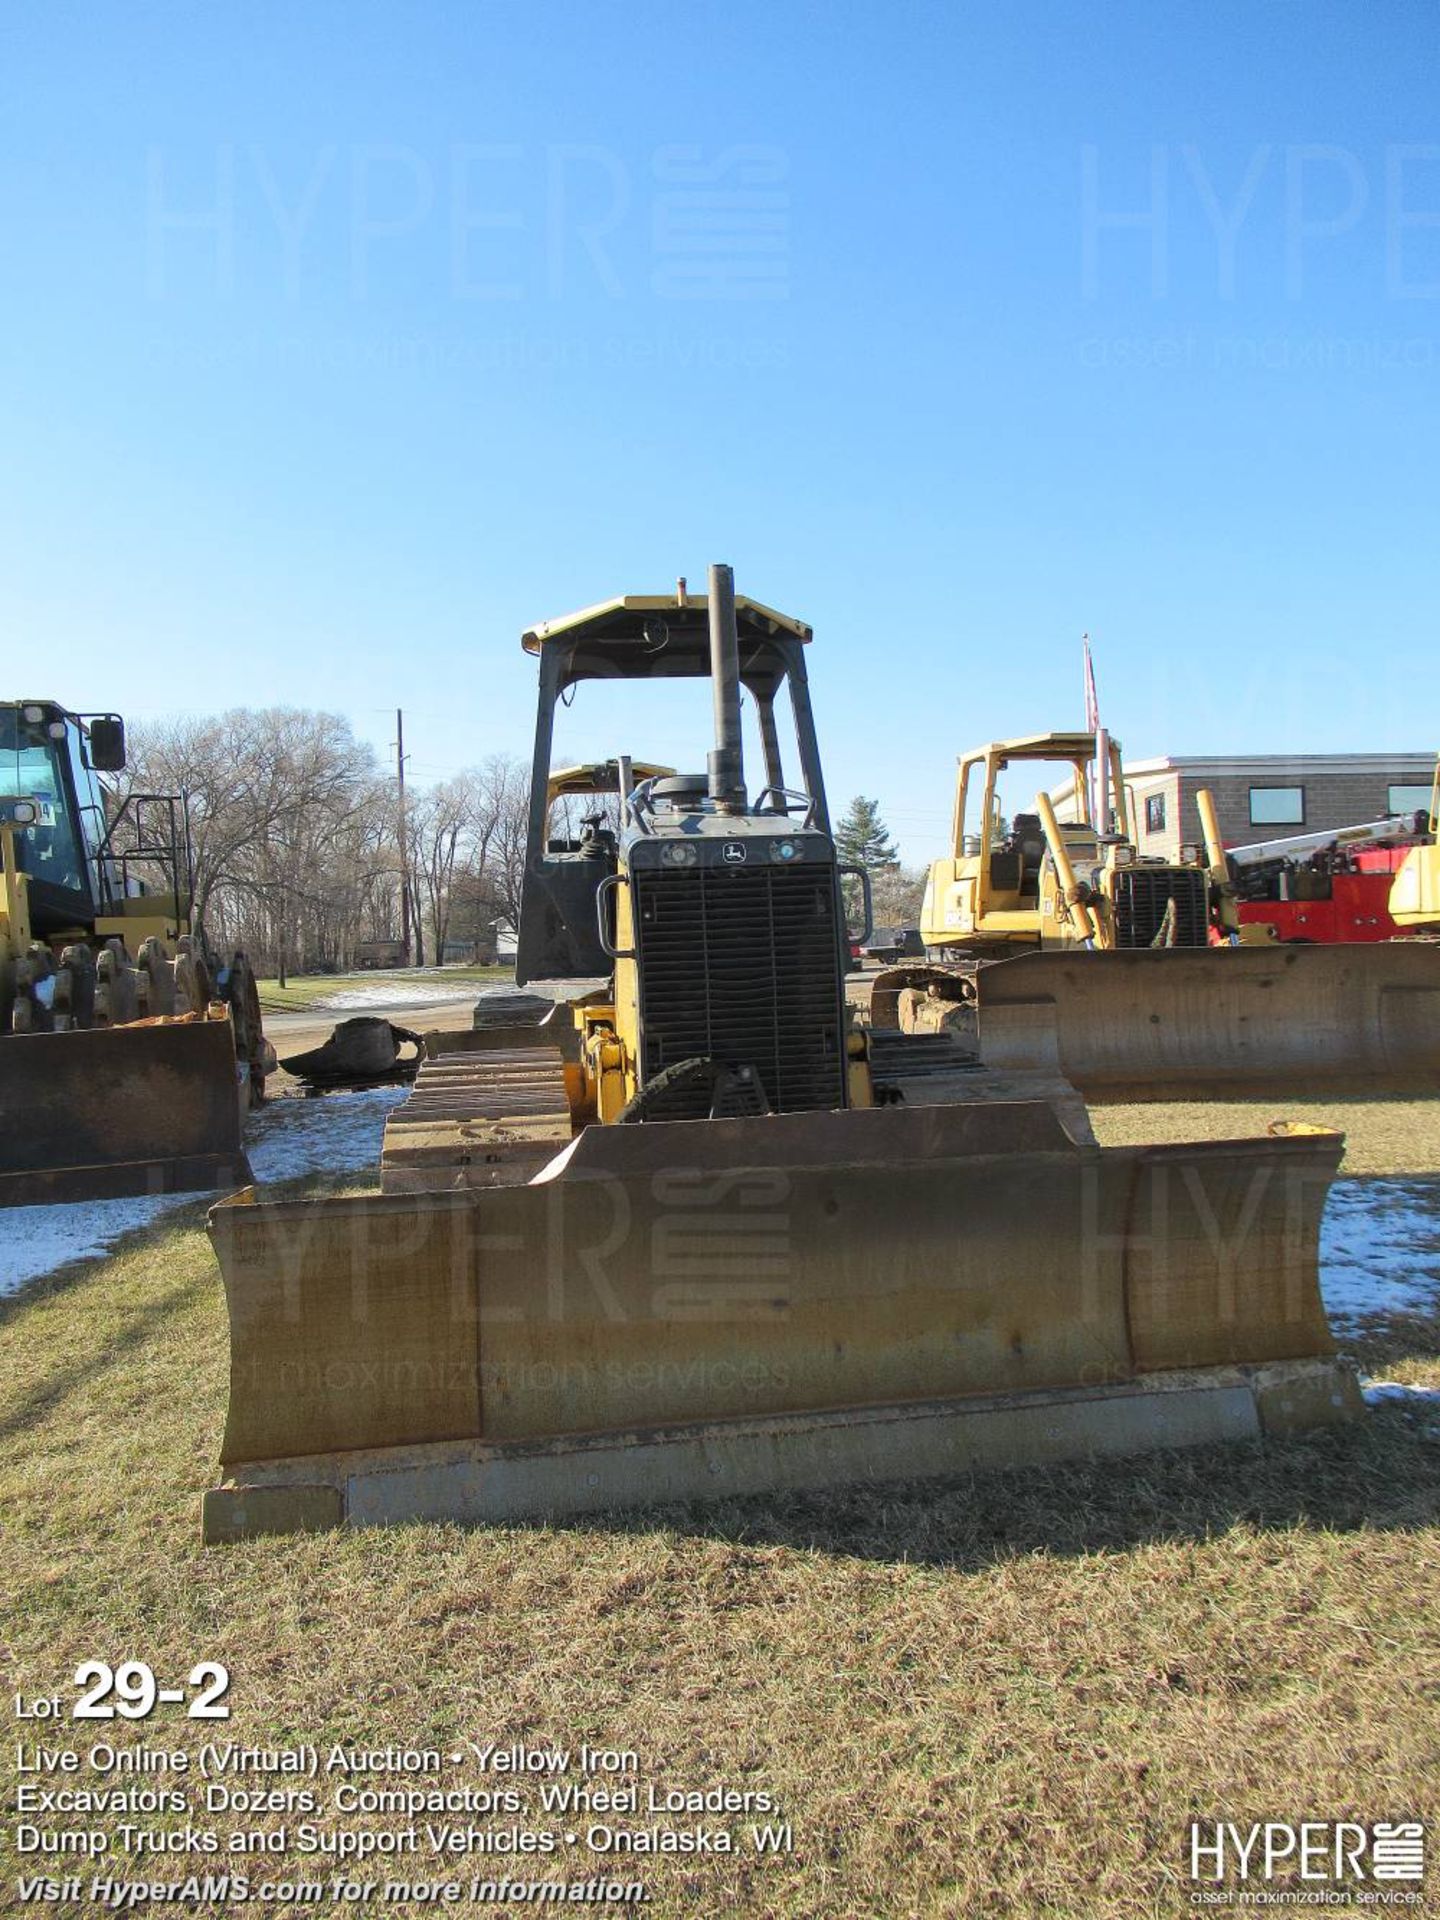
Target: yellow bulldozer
x=1132, y=976
x=1006, y=888
x=128, y=1056
x=700, y=1233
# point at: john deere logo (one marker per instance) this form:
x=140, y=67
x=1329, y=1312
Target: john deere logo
x=733, y=853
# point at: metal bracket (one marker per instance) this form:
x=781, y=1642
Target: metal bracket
x=789, y=793
x=607, y=947
x=862, y=874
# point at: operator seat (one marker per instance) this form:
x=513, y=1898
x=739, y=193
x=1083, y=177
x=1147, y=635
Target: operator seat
x=1026, y=840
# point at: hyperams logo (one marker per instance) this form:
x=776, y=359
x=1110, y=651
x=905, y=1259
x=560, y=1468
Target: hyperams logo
x=1331, y=1863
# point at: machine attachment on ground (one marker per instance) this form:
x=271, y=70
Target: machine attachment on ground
x=366, y=1051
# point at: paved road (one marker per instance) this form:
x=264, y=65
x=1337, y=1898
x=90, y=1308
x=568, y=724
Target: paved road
x=292, y=1033
x=429, y=1013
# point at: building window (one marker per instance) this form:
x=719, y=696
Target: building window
x=1277, y=806
x=1408, y=799
x=1154, y=813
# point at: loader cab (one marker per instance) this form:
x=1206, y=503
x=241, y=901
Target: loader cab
x=92, y=865
x=46, y=759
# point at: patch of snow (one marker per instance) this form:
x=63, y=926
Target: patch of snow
x=397, y=992
x=1395, y=1392
x=1380, y=1249
x=286, y=1139
x=37, y=1240
x=1379, y=1240
x=334, y=1133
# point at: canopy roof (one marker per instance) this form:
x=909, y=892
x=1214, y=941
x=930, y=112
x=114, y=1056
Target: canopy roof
x=624, y=618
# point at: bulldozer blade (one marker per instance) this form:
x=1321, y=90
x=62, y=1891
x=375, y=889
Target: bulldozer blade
x=1218, y=1023
x=696, y=1308
x=101, y=1113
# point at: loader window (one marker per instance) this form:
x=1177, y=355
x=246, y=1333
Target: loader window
x=32, y=767
x=89, y=794
x=1154, y=813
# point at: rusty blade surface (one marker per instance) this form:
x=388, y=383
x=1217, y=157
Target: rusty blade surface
x=1219, y=1023
x=713, y=1270
x=118, y=1111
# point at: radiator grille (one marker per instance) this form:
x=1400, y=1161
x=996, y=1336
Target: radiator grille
x=1142, y=895
x=742, y=966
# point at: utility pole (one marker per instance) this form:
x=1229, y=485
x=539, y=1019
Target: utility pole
x=404, y=837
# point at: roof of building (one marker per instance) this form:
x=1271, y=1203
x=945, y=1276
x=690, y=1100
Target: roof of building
x=1218, y=766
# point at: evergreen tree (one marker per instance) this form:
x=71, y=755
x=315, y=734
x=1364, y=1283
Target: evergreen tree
x=863, y=839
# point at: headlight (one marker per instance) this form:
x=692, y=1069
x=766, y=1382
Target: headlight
x=785, y=850
x=680, y=853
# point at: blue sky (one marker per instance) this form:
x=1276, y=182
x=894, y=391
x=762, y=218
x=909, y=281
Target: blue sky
x=495, y=310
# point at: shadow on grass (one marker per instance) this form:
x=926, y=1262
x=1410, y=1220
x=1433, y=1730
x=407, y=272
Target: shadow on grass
x=116, y=1342
x=1381, y=1473
x=124, y=1329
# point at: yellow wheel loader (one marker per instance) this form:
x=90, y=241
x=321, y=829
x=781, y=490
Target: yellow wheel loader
x=1132, y=976
x=698, y=1234
x=1415, y=894
x=127, y=1056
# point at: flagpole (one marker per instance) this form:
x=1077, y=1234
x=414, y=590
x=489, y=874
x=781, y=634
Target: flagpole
x=1098, y=774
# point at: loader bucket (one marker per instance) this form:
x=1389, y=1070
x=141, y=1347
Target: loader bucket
x=1219, y=1023
x=698, y=1308
x=93, y=1114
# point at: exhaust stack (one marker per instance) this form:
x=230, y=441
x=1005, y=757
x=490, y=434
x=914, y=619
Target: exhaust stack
x=726, y=762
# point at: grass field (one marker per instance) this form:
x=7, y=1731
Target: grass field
x=316, y=989
x=1003, y=1695
x=1381, y=1136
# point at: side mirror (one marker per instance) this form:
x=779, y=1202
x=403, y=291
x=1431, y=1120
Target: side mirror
x=107, y=744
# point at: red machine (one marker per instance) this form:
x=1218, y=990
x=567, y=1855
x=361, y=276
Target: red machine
x=1329, y=886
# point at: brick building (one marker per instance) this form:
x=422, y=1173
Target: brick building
x=1266, y=796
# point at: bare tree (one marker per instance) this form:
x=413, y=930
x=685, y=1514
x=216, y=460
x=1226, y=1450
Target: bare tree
x=897, y=893
x=282, y=808
x=506, y=788
x=292, y=828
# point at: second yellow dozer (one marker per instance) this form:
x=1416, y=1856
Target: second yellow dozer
x=128, y=1056
x=1056, y=945
x=699, y=1234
